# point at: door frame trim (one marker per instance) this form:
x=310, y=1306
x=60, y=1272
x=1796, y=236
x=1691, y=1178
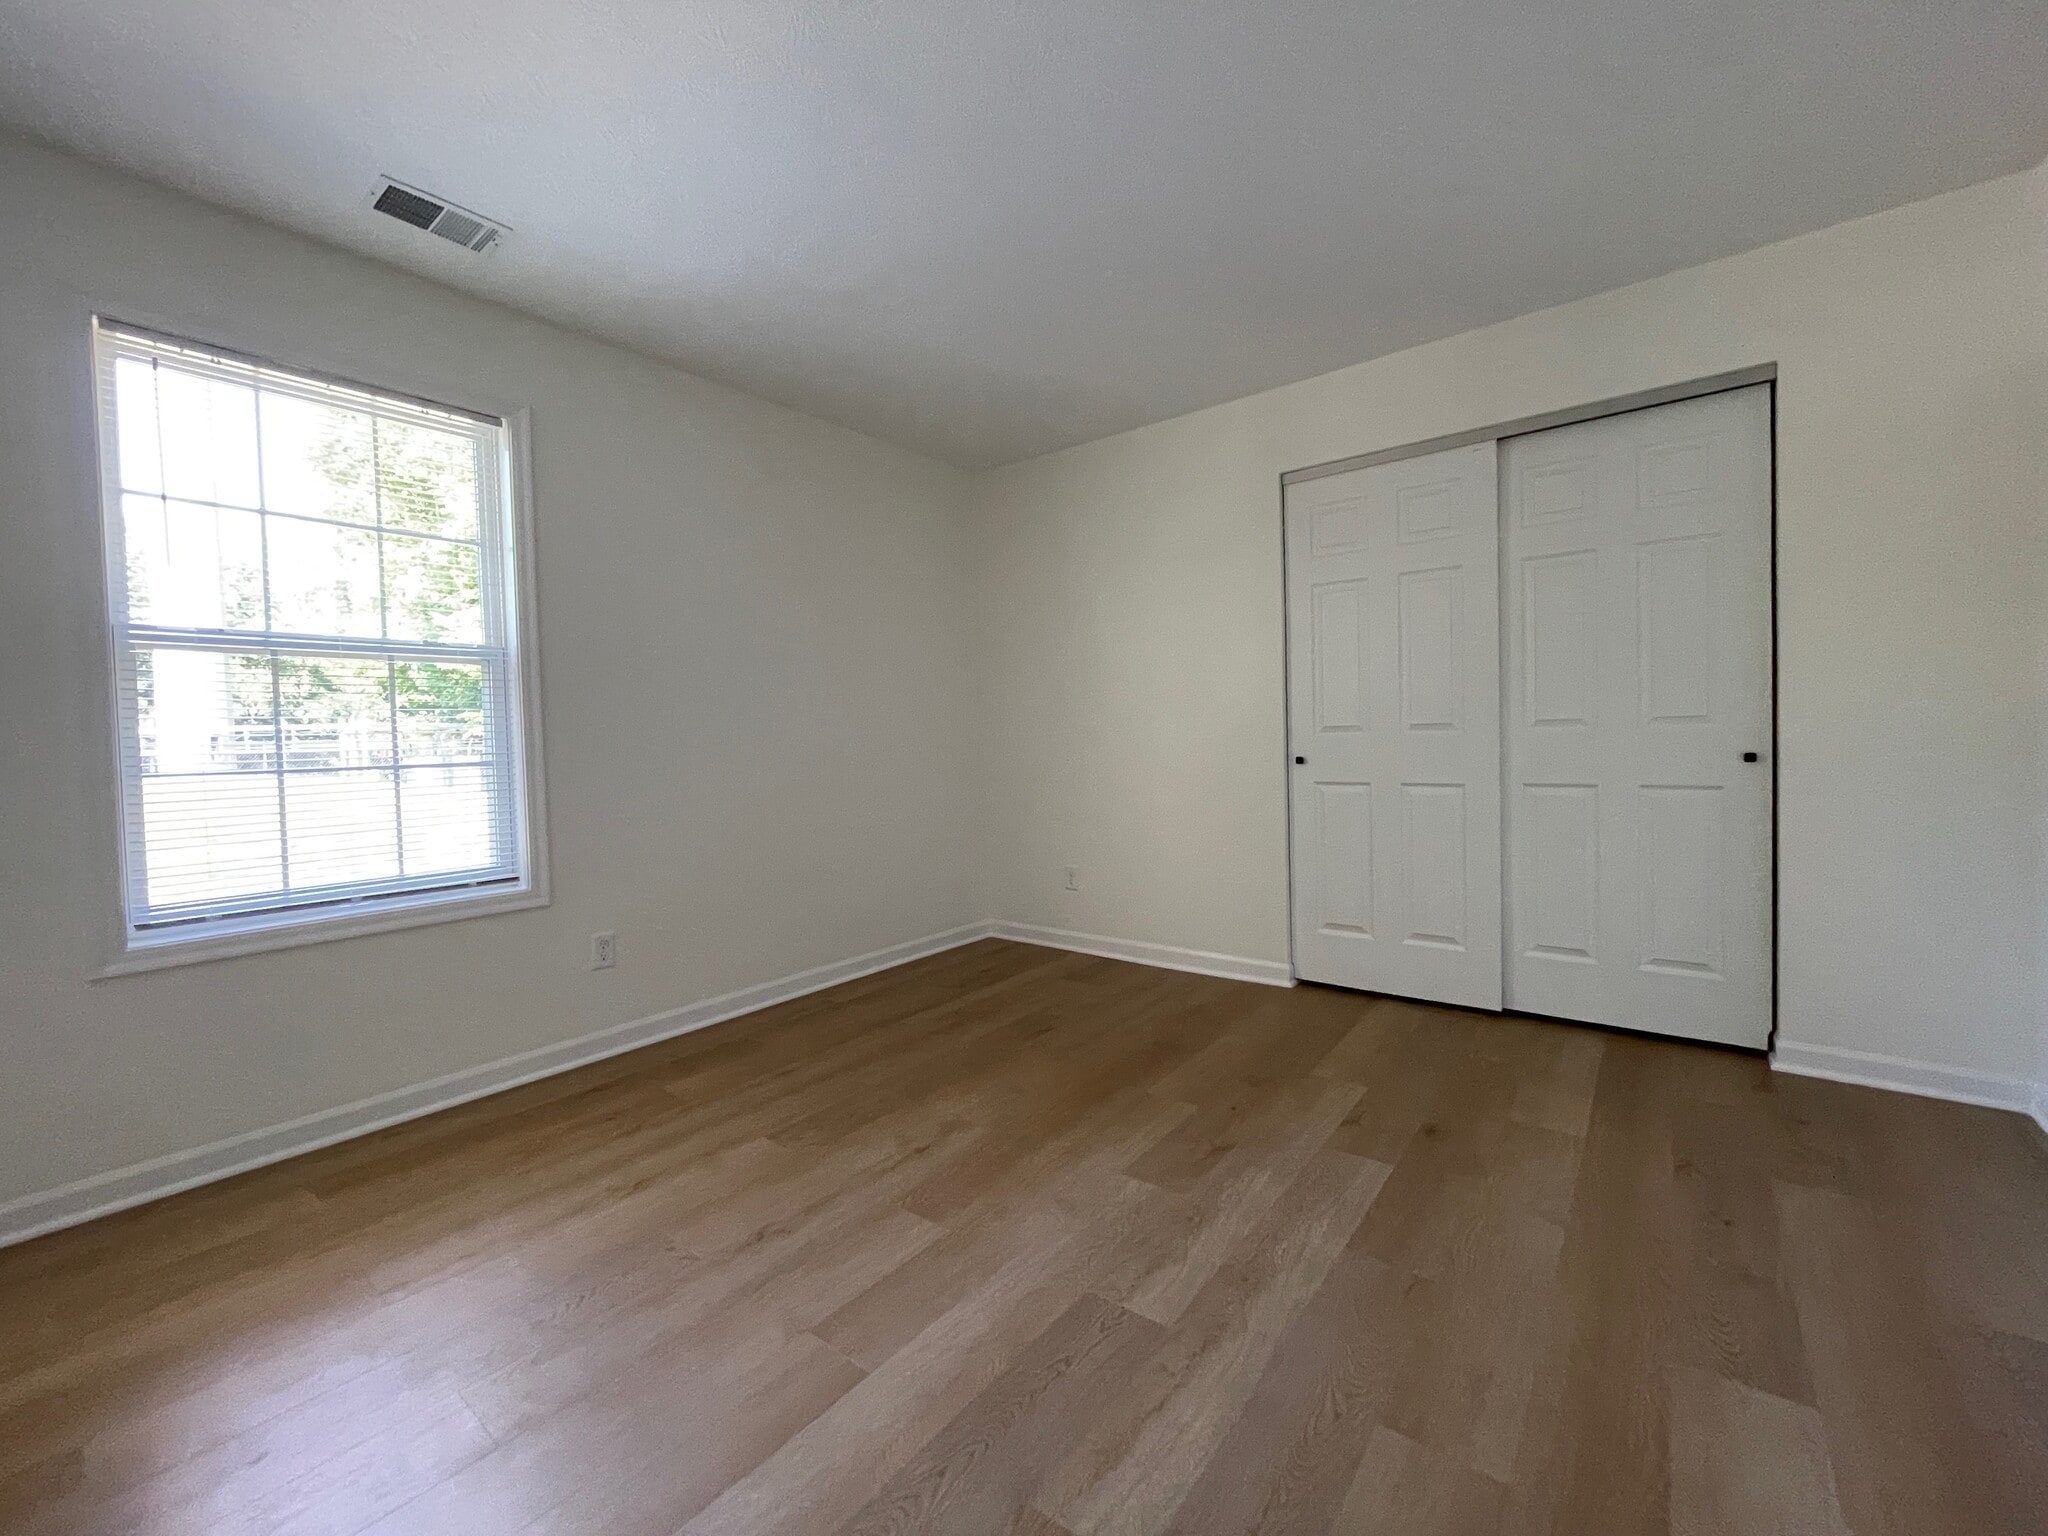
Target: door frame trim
x=1618, y=405
x=1615, y=405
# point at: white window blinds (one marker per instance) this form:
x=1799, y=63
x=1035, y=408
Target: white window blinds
x=311, y=588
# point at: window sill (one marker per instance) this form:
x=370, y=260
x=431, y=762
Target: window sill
x=289, y=931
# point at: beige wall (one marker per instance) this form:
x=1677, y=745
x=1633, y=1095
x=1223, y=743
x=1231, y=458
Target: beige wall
x=1133, y=716
x=756, y=694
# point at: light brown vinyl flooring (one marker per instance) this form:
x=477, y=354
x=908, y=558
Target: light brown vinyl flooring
x=1016, y=1241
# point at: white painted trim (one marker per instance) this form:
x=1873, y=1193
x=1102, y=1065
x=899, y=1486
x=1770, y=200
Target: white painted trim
x=1902, y=1076
x=515, y=568
x=1273, y=973
x=103, y=1194
x=1523, y=426
x=291, y=929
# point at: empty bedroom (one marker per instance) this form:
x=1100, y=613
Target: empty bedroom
x=809, y=767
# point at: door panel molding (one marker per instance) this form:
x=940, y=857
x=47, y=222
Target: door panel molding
x=1669, y=640
x=1394, y=727
x=1673, y=934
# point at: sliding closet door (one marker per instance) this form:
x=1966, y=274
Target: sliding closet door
x=1638, y=719
x=1394, y=717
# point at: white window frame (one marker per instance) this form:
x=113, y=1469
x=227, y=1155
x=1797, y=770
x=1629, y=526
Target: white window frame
x=506, y=519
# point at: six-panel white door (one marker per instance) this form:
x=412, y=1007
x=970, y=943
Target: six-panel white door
x=1394, y=710
x=1637, y=622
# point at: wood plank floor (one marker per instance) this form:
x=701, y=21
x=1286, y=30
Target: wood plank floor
x=1016, y=1241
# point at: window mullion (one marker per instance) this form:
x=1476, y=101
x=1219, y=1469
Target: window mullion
x=397, y=778
x=249, y=641
x=263, y=528
x=298, y=517
x=284, y=836
x=384, y=629
x=136, y=847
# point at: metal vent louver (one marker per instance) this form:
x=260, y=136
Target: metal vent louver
x=437, y=216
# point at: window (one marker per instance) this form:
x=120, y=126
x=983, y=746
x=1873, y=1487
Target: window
x=317, y=657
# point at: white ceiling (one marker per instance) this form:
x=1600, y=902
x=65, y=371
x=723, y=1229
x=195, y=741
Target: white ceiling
x=988, y=230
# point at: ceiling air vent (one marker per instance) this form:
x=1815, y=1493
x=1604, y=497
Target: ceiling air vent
x=471, y=231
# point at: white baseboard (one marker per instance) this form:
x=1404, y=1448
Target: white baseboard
x=1903, y=1076
x=1204, y=962
x=103, y=1194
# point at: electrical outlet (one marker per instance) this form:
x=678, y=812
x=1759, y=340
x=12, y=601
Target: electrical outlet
x=1073, y=877
x=604, y=951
